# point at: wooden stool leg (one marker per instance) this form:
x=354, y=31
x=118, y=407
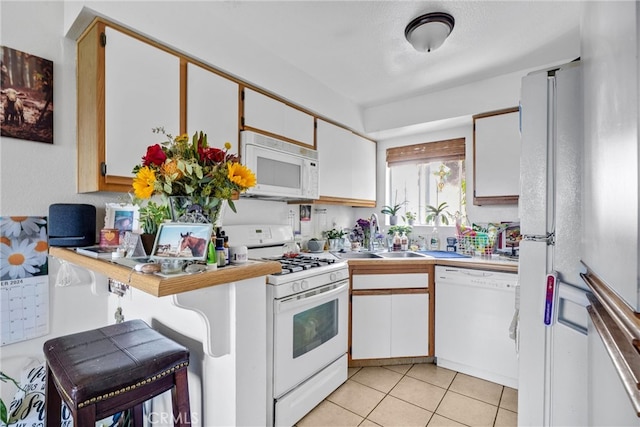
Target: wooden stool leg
x=180, y=399
x=85, y=417
x=137, y=415
x=53, y=402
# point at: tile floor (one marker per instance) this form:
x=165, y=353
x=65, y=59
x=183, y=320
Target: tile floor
x=415, y=395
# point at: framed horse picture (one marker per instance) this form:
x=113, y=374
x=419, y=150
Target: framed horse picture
x=183, y=241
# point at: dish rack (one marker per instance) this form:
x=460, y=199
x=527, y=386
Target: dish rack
x=477, y=242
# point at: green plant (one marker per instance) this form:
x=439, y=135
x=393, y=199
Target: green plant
x=152, y=215
x=406, y=229
x=438, y=213
x=393, y=209
x=410, y=216
x=335, y=233
x=4, y=414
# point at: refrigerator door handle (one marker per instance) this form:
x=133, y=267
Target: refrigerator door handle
x=549, y=238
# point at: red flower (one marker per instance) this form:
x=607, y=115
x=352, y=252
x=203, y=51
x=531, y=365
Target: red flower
x=154, y=156
x=211, y=155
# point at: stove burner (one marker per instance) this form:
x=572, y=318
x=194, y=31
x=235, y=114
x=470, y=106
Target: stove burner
x=300, y=263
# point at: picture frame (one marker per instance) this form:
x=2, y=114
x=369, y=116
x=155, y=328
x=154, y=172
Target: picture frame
x=124, y=217
x=26, y=96
x=182, y=241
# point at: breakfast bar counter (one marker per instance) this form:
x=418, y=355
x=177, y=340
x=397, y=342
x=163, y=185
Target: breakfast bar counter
x=160, y=286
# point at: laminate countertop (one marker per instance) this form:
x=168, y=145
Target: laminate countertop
x=160, y=285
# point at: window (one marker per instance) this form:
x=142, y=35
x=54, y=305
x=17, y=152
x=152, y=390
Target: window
x=427, y=174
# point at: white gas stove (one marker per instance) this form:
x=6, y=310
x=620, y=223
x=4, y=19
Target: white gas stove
x=306, y=325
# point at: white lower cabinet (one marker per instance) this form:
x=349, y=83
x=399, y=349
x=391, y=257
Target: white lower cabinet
x=389, y=316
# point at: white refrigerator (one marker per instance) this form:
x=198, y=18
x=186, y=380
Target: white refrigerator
x=553, y=320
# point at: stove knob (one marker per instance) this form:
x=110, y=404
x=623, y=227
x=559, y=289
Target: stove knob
x=295, y=286
x=305, y=285
x=334, y=277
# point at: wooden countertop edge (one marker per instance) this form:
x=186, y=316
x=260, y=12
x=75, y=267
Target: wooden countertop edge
x=160, y=286
x=505, y=266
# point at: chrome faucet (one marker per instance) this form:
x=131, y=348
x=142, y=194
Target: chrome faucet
x=373, y=231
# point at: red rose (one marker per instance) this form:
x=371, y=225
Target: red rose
x=211, y=155
x=155, y=156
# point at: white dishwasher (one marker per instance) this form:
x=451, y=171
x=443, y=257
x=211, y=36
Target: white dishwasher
x=474, y=310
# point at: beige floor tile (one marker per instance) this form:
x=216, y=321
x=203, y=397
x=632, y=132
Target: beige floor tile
x=329, y=414
x=420, y=393
x=395, y=412
x=401, y=369
x=356, y=397
x=477, y=388
x=377, y=377
x=466, y=410
x=509, y=399
x=351, y=371
x=368, y=423
x=432, y=374
x=506, y=418
x=440, y=421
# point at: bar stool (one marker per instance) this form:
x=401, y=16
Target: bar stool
x=104, y=371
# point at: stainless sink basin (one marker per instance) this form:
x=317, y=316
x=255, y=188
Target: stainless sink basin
x=352, y=255
x=400, y=255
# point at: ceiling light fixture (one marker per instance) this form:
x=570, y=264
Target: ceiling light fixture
x=428, y=32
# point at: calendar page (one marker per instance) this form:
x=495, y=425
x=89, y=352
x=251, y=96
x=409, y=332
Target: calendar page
x=24, y=278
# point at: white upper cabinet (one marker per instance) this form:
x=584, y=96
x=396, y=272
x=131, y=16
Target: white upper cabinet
x=347, y=164
x=496, y=155
x=142, y=91
x=212, y=107
x=363, y=168
x=335, y=164
x=126, y=87
x=269, y=115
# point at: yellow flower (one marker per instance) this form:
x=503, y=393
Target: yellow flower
x=241, y=175
x=143, y=183
x=182, y=138
x=227, y=145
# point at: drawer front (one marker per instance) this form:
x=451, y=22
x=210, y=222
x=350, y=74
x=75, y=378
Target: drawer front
x=390, y=281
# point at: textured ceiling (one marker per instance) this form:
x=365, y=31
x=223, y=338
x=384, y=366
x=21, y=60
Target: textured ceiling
x=358, y=49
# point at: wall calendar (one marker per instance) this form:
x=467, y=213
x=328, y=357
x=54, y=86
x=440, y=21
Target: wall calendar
x=24, y=278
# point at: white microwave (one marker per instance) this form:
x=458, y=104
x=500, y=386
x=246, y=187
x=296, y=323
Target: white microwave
x=283, y=170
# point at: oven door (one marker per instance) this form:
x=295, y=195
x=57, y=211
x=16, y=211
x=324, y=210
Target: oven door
x=310, y=332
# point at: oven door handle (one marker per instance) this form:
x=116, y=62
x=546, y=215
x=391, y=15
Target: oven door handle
x=300, y=300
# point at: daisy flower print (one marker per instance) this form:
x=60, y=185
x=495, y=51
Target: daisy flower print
x=23, y=247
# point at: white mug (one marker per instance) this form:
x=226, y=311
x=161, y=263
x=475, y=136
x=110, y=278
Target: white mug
x=238, y=254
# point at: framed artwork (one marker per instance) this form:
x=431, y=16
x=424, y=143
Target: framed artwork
x=182, y=240
x=123, y=217
x=26, y=104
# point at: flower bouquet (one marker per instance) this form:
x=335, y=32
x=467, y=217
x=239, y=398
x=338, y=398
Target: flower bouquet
x=189, y=168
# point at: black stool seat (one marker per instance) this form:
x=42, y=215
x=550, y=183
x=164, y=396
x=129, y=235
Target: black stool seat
x=107, y=370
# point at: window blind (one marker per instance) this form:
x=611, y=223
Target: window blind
x=449, y=149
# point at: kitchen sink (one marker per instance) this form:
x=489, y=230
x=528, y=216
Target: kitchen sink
x=352, y=255
x=400, y=255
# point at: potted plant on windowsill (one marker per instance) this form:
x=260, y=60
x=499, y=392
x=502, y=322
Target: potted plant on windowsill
x=392, y=210
x=437, y=214
x=411, y=217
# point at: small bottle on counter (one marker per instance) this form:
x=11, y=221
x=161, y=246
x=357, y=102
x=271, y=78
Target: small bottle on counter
x=397, y=242
x=434, y=242
x=226, y=248
x=212, y=261
x=404, y=242
x=220, y=252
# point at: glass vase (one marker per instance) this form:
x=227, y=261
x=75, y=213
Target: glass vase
x=196, y=209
